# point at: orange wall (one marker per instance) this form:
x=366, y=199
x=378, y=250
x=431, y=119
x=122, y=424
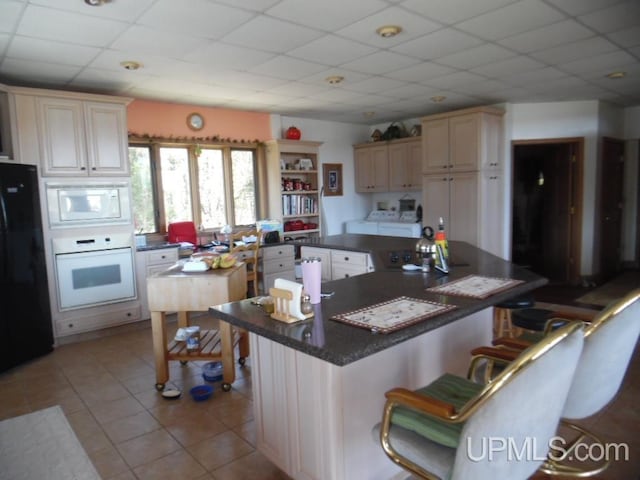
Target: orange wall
x=157, y=119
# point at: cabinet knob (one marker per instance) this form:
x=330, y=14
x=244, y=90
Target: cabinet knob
x=346, y=259
x=93, y=168
x=83, y=168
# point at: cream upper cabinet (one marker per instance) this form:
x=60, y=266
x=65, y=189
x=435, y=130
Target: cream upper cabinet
x=80, y=138
x=371, y=168
x=462, y=141
x=405, y=164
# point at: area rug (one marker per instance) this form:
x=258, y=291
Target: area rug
x=42, y=445
x=613, y=290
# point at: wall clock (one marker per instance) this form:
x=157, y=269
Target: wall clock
x=195, y=121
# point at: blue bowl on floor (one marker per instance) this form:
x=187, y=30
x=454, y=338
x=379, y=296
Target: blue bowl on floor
x=201, y=392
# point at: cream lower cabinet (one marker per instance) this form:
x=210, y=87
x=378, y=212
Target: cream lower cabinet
x=337, y=264
x=314, y=419
x=491, y=213
x=454, y=197
x=277, y=261
x=150, y=262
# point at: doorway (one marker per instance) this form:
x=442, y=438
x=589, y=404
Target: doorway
x=611, y=202
x=547, y=207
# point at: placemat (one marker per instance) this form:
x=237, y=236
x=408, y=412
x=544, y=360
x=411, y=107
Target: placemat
x=393, y=314
x=475, y=286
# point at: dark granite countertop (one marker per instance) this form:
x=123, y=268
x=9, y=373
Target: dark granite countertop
x=156, y=246
x=341, y=344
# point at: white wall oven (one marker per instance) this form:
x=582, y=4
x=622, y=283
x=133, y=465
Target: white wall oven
x=88, y=203
x=94, y=270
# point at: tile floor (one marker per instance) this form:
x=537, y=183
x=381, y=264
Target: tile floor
x=106, y=388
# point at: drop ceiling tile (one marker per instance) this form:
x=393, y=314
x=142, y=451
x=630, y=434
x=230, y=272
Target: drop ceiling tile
x=549, y=36
x=201, y=19
x=254, y=5
x=12, y=68
x=38, y=50
x=225, y=56
x=140, y=40
x=629, y=37
x=476, y=56
x=246, y=80
x=271, y=35
x=511, y=20
x=267, y=98
x=411, y=91
x=5, y=38
x=287, y=67
x=61, y=26
x=412, y=25
x=580, y=7
x=420, y=72
x=617, y=17
x=380, y=63
x=606, y=62
x=485, y=87
x=452, y=11
x=335, y=95
x=327, y=15
x=349, y=77
x=9, y=15
x=369, y=102
x=574, y=50
x=455, y=80
x=96, y=80
x=437, y=44
x=298, y=89
x=331, y=50
x=532, y=77
x=508, y=66
x=373, y=85
x=119, y=10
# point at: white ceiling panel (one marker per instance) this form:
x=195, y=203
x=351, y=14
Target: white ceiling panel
x=275, y=55
x=554, y=35
x=39, y=50
x=201, y=19
x=511, y=20
x=453, y=11
x=271, y=35
x=413, y=26
x=70, y=27
x=380, y=63
x=327, y=15
x=438, y=44
x=332, y=50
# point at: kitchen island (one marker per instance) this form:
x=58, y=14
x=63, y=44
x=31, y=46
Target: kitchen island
x=319, y=384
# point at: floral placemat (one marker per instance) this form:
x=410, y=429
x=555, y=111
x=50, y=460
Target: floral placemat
x=392, y=315
x=475, y=286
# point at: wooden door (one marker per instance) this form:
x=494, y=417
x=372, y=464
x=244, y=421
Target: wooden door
x=611, y=202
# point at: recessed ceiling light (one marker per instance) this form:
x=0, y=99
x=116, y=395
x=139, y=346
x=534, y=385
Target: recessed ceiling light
x=130, y=65
x=387, y=31
x=334, y=79
x=617, y=75
x=368, y=114
x=438, y=98
x=94, y=3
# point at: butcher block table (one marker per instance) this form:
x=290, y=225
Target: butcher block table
x=183, y=292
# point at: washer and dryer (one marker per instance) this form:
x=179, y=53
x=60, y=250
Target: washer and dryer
x=390, y=223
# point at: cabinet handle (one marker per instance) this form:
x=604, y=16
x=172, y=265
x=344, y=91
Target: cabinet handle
x=93, y=168
x=83, y=168
x=346, y=275
x=163, y=257
x=346, y=259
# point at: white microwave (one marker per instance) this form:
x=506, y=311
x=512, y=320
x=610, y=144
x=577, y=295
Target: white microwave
x=71, y=205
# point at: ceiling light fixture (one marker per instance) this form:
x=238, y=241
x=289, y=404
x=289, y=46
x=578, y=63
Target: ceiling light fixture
x=94, y=3
x=615, y=75
x=438, y=99
x=388, y=31
x=368, y=114
x=334, y=79
x=130, y=65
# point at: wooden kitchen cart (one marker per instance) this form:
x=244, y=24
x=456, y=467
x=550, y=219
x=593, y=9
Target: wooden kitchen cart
x=176, y=291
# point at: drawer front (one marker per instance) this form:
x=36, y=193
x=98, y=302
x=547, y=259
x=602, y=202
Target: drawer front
x=346, y=270
x=242, y=256
x=153, y=269
x=278, y=251
x=277, y=265
x=117, y=316
x=350, y=258
x=164, y=255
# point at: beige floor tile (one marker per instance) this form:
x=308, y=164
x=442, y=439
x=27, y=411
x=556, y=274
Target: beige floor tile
x=108, y=411
x=220, y=450
x=233, y=414
x=191, y=429
x=178, y=465
x=108, y=462
x=147, y=448
x=247, y=431
x=130, y=427
x=128, y=475
x=254, y=466
x=88, y=431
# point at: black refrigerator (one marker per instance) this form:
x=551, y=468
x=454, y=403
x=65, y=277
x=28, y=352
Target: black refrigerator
x=26, y=331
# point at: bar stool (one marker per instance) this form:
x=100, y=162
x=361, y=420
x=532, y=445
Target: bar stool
x=535, y=319
x=502, y=312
